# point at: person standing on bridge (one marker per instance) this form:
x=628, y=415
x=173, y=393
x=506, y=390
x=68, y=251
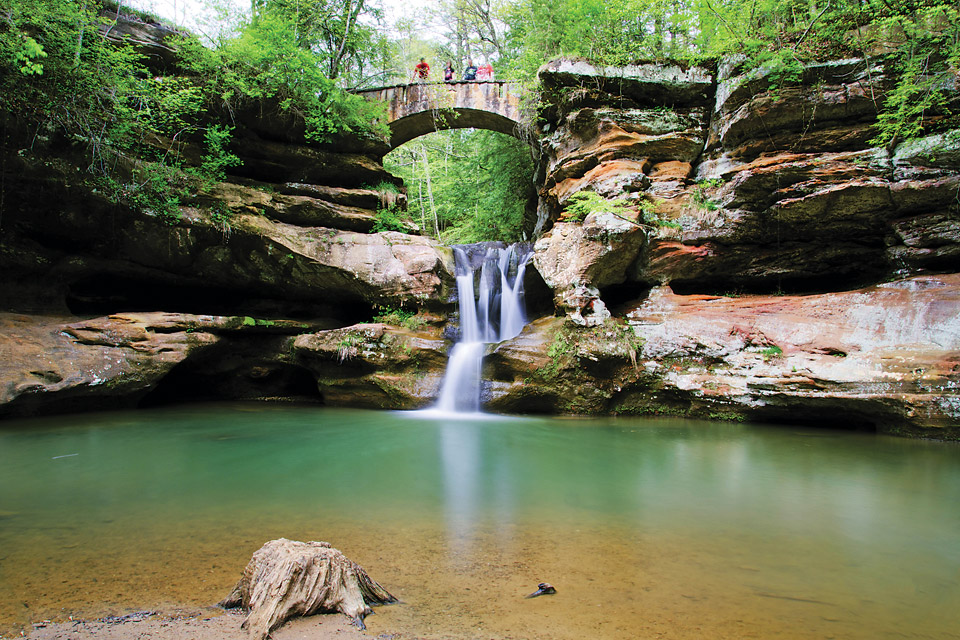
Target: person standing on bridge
x=470, y=73
x=448, y=72
x=485, y=72
x=422, y=71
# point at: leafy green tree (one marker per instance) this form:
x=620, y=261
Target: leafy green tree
x=343, y=34
x=57, y=71
x=921, y=39
x=466, y=185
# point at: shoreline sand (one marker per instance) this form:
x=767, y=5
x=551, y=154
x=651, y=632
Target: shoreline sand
x=208, y=624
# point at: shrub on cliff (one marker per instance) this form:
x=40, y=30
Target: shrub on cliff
x=274, y=59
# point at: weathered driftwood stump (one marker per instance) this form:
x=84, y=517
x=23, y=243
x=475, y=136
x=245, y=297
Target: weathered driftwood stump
x=286, y=578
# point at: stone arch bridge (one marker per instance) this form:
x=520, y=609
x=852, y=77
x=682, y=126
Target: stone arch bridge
x=416, y=109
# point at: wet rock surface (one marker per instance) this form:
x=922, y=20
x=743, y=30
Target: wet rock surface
x=375, y=365
x=884, y=358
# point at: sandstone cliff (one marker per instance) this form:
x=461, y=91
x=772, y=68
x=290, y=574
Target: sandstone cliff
x=771, y=264
x=116, y=302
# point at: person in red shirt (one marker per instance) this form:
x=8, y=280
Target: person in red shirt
x=485, y=72
x=422, y=71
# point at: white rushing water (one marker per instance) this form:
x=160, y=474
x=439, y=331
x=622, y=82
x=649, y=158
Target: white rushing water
x=491, y=310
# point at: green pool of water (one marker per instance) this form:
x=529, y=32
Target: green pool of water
x=647, y=528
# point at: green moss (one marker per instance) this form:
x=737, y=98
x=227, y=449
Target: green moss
x=650, y=409
x=399, y=318
x=729, y=416
x=770, y=352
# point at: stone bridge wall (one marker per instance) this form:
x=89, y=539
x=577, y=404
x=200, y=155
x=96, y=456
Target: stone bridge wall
x=417, y=109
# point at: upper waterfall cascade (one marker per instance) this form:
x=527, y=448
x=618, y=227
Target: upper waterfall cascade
x=490, y=291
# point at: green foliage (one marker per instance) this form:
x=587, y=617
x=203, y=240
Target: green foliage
x=274, y=61
x=604, y=32
x=922, y=90
x=154, y=188
x=29, y=55
x=772, y=351
x=561, y=354
x=584, y=203
x=700, y=195
x=215, y=162
x=399, y=318
x=347, y=346
x=249, y=321
x=571, y=343
x=466, y=185
x=221, y=215
x=58, y=73
x=386, y=187
x=774, y=39
x=389, y=219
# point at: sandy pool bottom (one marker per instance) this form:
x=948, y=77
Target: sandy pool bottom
x=611, y=582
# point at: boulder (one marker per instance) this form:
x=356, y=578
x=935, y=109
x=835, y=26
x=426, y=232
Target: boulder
x=296, y=209
x=153, y=40
x=575, y=260
x=654, y=84
x=830, y=107
x=374, y=365
x=271, y=161
x=51, y=364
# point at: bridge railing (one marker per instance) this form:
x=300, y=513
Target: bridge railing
x=438, y=83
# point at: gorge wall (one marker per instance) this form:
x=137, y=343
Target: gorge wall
x=772, y=265
x=767, y=263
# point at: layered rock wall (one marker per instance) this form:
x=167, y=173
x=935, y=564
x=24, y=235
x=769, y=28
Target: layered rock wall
x=771, y=263
x=289, y=234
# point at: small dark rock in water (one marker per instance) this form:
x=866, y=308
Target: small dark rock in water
x=544, y=588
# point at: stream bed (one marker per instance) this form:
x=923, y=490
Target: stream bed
x=646, y=527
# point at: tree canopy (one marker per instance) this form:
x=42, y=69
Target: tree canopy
x=466, y=185
x=59, y=74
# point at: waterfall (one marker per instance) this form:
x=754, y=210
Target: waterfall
x=490, y=290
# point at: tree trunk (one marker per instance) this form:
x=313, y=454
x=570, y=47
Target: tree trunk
x=433, y=208
x=286, y=578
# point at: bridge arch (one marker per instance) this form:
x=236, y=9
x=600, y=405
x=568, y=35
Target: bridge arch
x=417, y=109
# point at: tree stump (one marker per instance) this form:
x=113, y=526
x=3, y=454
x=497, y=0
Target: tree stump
x=286, y=578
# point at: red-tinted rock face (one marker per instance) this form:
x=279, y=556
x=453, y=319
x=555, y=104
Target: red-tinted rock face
x=770, y=188
x=886, y=357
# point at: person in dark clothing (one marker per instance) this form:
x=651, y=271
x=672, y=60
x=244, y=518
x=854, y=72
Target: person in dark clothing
x=470, y=73
x=448, y=72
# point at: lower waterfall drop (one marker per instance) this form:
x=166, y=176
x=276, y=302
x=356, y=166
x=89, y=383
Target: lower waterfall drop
x=490, y=312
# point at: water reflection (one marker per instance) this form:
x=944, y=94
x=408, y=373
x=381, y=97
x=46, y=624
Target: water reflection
x=460, y=457
x=697, y=519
